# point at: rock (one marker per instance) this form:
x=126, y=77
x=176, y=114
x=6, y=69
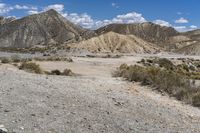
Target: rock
x=3, y=129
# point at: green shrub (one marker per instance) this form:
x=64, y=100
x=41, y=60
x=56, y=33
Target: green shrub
x=31, y=67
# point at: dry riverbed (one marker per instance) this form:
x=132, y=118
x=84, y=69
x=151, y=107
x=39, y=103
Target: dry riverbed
x=93, y=102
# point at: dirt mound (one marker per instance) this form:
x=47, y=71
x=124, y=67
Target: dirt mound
x=114, y=43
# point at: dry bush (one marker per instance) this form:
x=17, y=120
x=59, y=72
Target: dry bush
x=163, y=80
x=66, y=72
x=16, y=59
x=55, y=72
x=163, y=62
x=31, y=67
x=5, y=60
x=51, y=58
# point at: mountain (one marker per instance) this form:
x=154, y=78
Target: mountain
x=51, y=28
x=112, y=42
x=147, y=31
x=45, y=28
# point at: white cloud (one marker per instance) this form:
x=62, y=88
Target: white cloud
x=180, y=28
x=181, y=20
x=33, y=12
x=86, y=20
x=4, y=8
x=21, y=7
x=58, y=7
x=162, y=23
x=83, y=19
x=132, y=17
x=115, y=5
x=25, y=7
x=179, y=13
x=193, y=27
x=185, y=28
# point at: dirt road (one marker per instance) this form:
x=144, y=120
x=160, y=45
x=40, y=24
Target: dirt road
x=94, y=102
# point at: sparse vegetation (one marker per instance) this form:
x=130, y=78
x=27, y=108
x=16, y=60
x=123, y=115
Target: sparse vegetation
x=188, y=68
x=16, y=59
x=55, y=72
x=164, y=80
x=31, y=67
x=5, y=60
x=66, y=72
x=52, y=58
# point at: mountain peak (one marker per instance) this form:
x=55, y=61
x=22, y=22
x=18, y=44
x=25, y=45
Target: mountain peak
x=38, y=29
x=51, y=11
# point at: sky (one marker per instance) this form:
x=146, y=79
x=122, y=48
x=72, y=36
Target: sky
x=183, y=15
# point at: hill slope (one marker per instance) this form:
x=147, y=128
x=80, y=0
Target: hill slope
x=39, y=29
x=193, y=47
x=114, y=42
x=150, y=32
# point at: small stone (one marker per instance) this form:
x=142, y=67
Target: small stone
x=22, y=128
x=3, y=129
x=6, y=110
x=33, y=114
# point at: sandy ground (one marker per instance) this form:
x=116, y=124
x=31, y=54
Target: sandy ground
x=93, y=102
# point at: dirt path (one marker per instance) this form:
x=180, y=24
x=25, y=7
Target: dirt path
x=92, y=103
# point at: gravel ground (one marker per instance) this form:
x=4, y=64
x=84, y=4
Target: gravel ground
x=90, y=103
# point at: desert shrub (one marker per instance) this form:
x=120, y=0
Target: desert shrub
x=31, y=67
x=196, y=100
x=142, y=61
x=67, y=72
x=163, y=62
x=163, y=80
x=5, y=60
x=51, y=58
x=15, y=59
x=55, y=72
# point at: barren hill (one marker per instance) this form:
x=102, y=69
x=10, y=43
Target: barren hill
x=114, y=42
x=193, y=49
x=192, y=45
x=44, y=28
x=147, y=31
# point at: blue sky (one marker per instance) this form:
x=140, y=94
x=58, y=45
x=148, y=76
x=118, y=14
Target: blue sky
x=180, y=14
